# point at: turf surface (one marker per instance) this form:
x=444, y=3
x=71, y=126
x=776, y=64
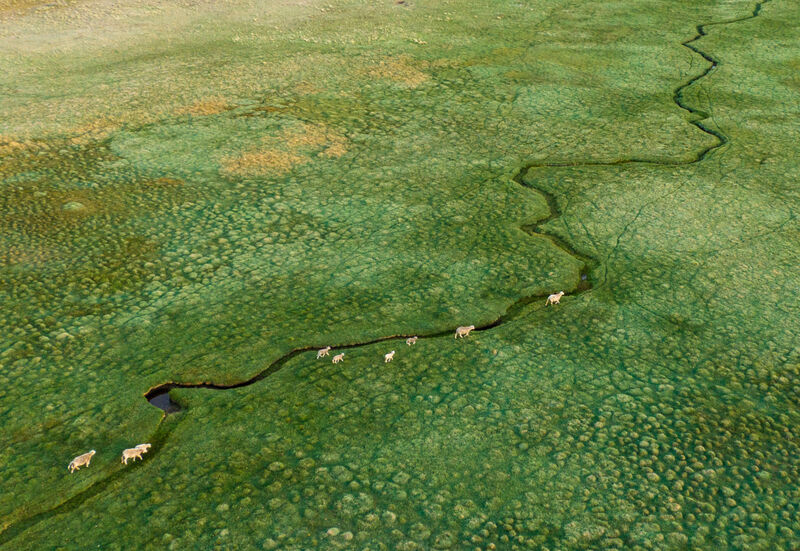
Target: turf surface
x=191, y=192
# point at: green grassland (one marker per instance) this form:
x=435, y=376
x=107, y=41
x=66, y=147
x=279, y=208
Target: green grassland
x=190, y=191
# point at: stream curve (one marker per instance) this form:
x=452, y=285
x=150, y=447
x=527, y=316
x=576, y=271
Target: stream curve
x=159, y=395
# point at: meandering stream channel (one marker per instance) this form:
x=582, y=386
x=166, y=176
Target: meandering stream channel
x=159, y=396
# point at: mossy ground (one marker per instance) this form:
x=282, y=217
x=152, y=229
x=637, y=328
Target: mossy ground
x=196, y=190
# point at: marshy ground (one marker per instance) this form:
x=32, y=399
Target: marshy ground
x=193, y=190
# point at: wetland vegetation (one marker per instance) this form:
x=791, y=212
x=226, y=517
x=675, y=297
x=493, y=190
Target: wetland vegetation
x=202, y=194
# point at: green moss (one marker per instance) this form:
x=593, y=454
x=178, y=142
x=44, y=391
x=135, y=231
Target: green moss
x=259, y=182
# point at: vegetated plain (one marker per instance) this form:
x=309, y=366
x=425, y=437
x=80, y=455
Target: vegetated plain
x=192, y=190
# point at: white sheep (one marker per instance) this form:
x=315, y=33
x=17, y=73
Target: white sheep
x=463, y=331
x=554, y=299
x=135, y=452
x=131, y=453
x=338, y=358
x=411, y=340
x=80, y=461
x=323, y=352
x=388, y=357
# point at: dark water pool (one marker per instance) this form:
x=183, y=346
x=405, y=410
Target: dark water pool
x=164, y=401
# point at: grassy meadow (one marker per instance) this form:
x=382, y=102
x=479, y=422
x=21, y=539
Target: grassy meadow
x=191, y=190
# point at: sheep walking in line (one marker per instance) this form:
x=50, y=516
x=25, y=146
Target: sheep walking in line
x=463, y=331
x=411, y=340
x=134, y=453
x=338, y=358
x=131, y=453
x=323, y=352
x=554, y=299
x=80, y=461
x=388, y=357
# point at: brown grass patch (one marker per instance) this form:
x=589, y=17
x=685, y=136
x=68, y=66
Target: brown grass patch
x=401, y=70
x=263, y=162
x=306, y=135
x=301, y=141
x=15, y=7
x=9, y=146
x=335, y=151
x=96, y=130
x=311, y=136
x=202, y=108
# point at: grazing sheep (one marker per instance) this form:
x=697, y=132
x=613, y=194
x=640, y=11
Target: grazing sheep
x=80, y=461
x=323, y=352
x=463, y=331
x=388, y=357
x=135, y=452
x=132, y=453
x=554, y=299
x=338, y=358
x=411, y=340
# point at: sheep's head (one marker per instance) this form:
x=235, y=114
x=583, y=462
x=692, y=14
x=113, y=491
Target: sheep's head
x=92, y=452
x=471, y=327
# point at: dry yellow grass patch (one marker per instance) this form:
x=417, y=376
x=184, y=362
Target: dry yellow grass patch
x=15, y=7
x=301, y=142
x=335, y=151
x=8, y=145
x=201, y=108
x=310, y=136
x=95, y=130
x=306, y=136
x=267, y=161
x=401, y=70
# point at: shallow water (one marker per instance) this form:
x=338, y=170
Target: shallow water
x=164, y=402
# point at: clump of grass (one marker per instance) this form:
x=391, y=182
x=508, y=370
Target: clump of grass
x=205, y=107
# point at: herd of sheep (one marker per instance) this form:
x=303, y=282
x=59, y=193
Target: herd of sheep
x=461, y=332
x=137, y=451
x=86, y=458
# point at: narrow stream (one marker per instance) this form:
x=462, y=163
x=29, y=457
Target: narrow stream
x=159, y=395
